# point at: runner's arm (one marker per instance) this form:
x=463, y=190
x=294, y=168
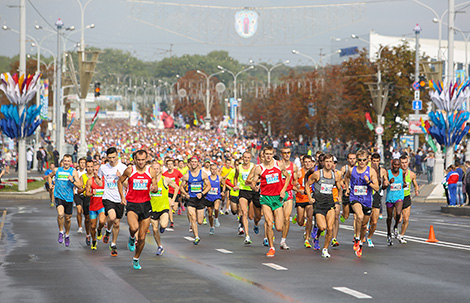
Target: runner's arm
x=207, y=184
x=89, y=192
x=120, y=183
x=415, y=183
x=311, y=179
x=184, y=180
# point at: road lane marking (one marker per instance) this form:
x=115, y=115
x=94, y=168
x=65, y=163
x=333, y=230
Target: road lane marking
x=450, y=224
x=189, y=239
x=224, y=251
x=420, y=240
x=274, y=266
x=4, y=217
x=352, y=292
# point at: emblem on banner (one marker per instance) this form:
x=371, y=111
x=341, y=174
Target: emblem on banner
x=246, y=23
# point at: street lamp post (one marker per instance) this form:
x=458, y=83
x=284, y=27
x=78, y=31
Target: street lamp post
x=295, y=52
x=235, y=89
x=208, y=96
x=269, y=70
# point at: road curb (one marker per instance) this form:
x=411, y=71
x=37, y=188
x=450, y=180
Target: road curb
x=456, y=211
x=36, y=194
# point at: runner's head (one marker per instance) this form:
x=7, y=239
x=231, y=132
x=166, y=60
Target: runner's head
x=82, y=163
x=328, y=161
x=404, y=162
x=170, y=164
x=375, y=160
x=285, y=153
x=268, y=153
x=157, y=166
x=207, y=163
x=362, y=158
x=140, y=159
x=112, y=156
x=213, y=169
x=89, y=166
x=95, y=169
x=246, y=157
x=396, y=165
x=352, y=159
x=193, y=163
x=308, y=162
x=66, y=161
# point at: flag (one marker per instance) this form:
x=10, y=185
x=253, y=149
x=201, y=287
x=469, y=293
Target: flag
x=92, y=124
x=73, y=119
x=369, y=121
x=195, y=118
x=96, y=114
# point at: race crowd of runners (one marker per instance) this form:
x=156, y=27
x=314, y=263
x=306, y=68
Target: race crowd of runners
x=150, y=177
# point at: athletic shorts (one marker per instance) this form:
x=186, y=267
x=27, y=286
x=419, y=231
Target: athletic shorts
x=376, y=200
x=142, y=210
x=94, y=213
x=47, y=186
x=256, y=202
x=84, y=202
x=155, y=215
x=68, y=206
x=195, y=202
x=178, y=196
x=302, y=204
x=367, y=211
x=407, y=202
x=250, y=196
x=345, y=200
x=392, y=204
x=324, y=209
x=209, y=203
x=233, y=199
x=274, y=202
x=118, y=208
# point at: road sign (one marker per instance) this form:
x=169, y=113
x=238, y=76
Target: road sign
x=416, y=94
x=379, y=130
x=417, y=105
x=416, y=85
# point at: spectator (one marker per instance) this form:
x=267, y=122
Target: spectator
x=430, y=161
x=29, y=158
x=460, y=199
x=452, y=178
x=467, y=181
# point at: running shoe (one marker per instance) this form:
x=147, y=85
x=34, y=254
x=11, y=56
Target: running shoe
x=307, y=244
x=256, y=229
x=271, y=252
x=87, y=240
x=241, y=231
x=99, y=234
x=334, y=243
x=370, y=243
x=172, y=225
x=162, y=230
x=67, y=241
x=216, y=222
x=106, y=237
x=190, y=228
x=204, y=221
x=284, y=246
x=211, y=231
x=342, y=219
x=389, y=240
x=61, y=238
x=323, y=233
x=265, y=242
x=367, y=226
x=248, y=240
x=356, y=245
x=401, y=239
x=314, y=232
x=136, y=264
x=359, y=252
x=179, y=211
x=80, y=230
x=182, y=208
x=395, y=233
x=113, y=249
x=94, y=245
x=52, y=204
x=316, y=244
x=131, y=244
x=324, y=253
x=160, y=251
x=381, y=217
x=197, y=240
x=294, y=220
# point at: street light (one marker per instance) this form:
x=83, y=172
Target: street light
x=208, y=96
x=269, y=70
x=296, y=52
x=328, y=55
x=235, y=90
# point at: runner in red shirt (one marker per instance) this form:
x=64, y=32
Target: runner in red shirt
x=175, y=176
x=95, y=190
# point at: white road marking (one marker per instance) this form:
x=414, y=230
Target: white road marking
x=224, y=251
x=189, y=239
x=352, y=292
x=275, y=266
x=420, y=240
x=450, y=224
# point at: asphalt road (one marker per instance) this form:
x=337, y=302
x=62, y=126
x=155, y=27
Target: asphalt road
x=35, y=268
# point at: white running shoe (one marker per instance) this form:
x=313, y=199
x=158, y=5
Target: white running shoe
x=80, y=230
x=370, y=243
x=324, y=253
x=216, y=222
x=284, y=246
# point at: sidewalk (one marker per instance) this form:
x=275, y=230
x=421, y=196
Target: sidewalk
x=36, y=194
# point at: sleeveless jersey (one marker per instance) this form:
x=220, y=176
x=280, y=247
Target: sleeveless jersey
x=231, y=177
x=63, y=186
x=407, y=184
x=85, y=179
x=299, y=196
x=360, y=190
x=139, y=186
x=174, y=176
x=290, y=171
x=214, y=192
x=324, y=190
x=395, y=190
x=80, y=174
x=96, y=200
x=159, y=200
x=195, y=184
x=271, y=184
x=110, y=178
x=243, y=175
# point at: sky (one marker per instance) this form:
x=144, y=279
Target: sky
x=153, y=30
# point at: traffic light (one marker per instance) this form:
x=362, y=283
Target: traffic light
x=97, y=89
x=422, y=82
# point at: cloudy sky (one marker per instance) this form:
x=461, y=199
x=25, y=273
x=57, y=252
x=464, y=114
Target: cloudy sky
x=153, y=29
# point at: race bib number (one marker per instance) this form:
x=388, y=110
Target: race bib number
x=326, y=189
x=360, y=190
x=140, y=184
x=111, y=183
x=407, y=185
x=214, y=191
x=245, y=175
x=63, y=176
x=196, y=188
x=395, y=187
x=99, y=193
x=157, y=194
x=272, y=178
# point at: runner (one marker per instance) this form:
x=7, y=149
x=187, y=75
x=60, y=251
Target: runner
x=137, y=201
x=82, y=199
x=66, y=179
x=174, y=175
x=95, y=190
x=198, y=186
x=114, y=210
x=377, y=197
x=362, y=181
x=336, y=198
x=395, y=196
x=324, y=180
x=344, y=170
x=213, y=197
x=246, y=195
x=270, y=172
x=410, y=178
x=47, y=185
x=292, y=169
x=162, y=204
x=78, y=198
x=226, y=192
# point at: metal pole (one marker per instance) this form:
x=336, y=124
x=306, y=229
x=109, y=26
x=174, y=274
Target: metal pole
x=450, y=70
x=417, y=30
x=21, y=155
x=38, y=100
x=208, y=98
x=236, y=100
x=58, y=91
